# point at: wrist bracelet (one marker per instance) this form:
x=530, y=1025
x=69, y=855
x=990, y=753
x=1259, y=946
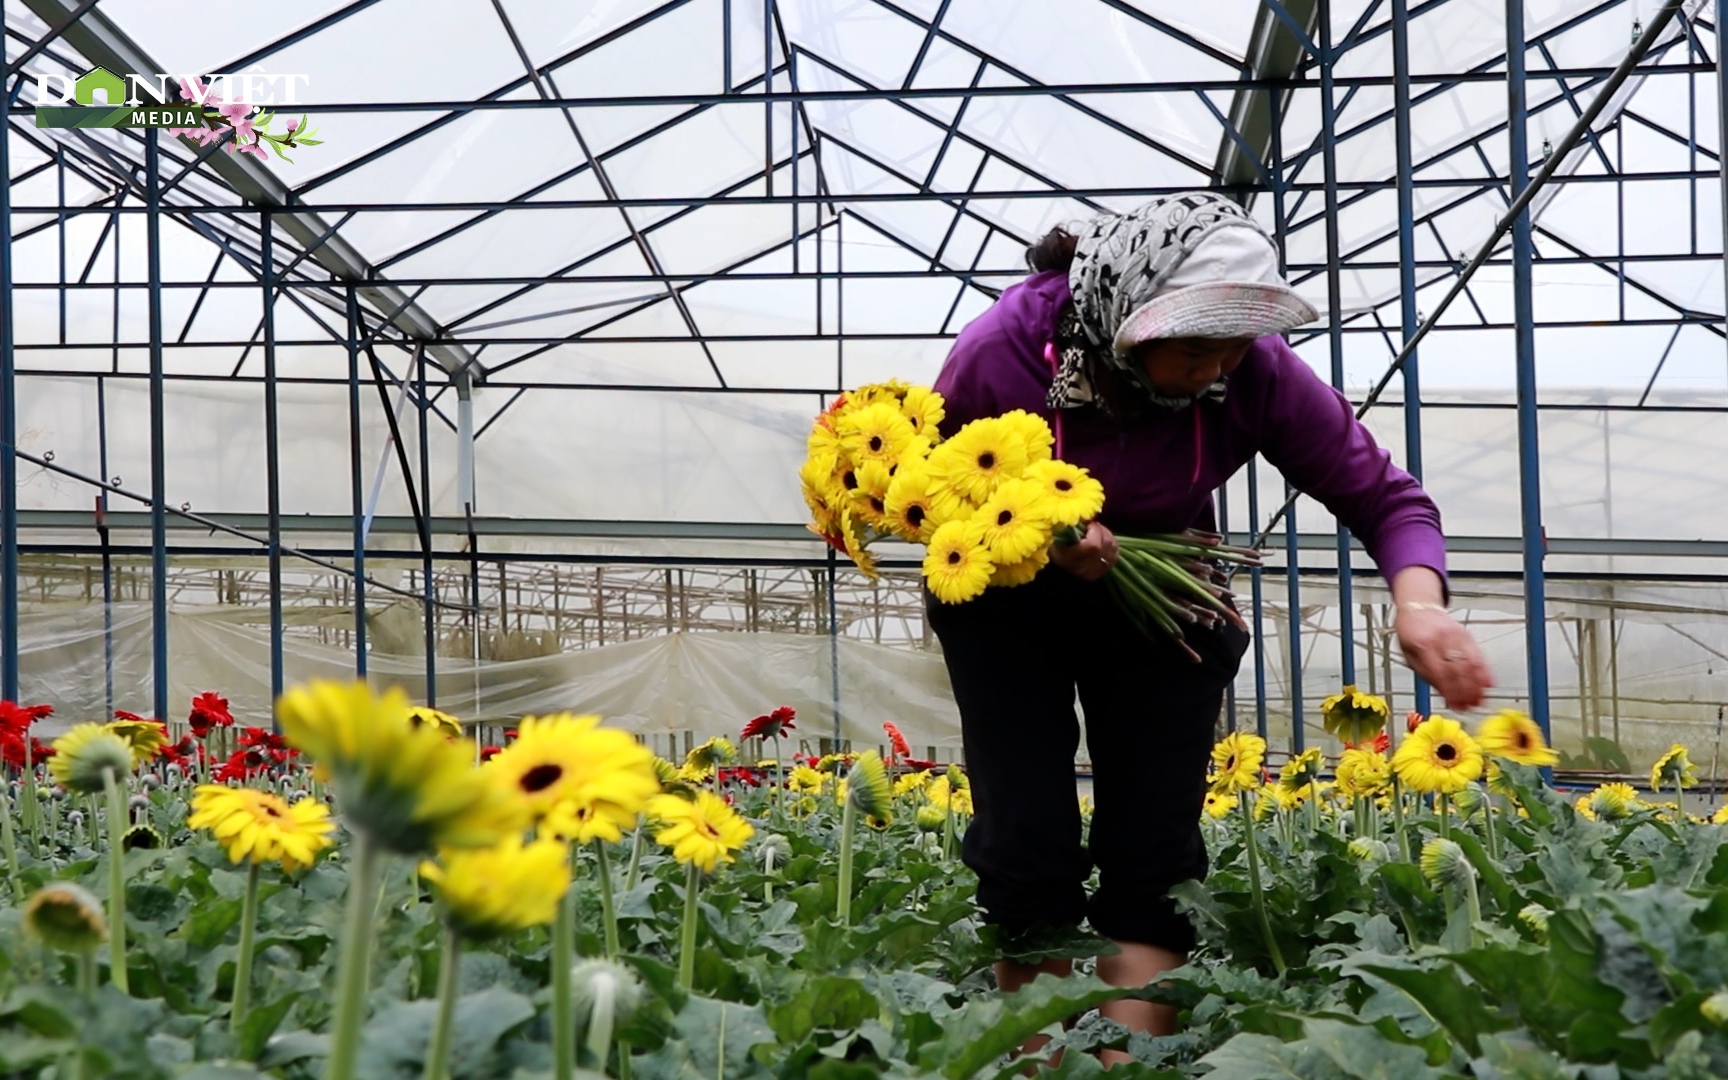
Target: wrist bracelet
x=1423, y=605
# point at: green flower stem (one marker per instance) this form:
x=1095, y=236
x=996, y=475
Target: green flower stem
x=777, y=796
x=32, y=810
x=608, y=906
x=243, y=965
x=634, y=873
x=563, y=1013
x=768, y=876
x=116, y=881
x=354, y=965
x=948, y=830
x=1489, y=832
x=1472, y=906
x=1441, y=810
x=94, y=813
x=449, y=980
x=1254, y=887
x=11, y=841
x=1398, y=821
x=843, y=899
x=687, y=943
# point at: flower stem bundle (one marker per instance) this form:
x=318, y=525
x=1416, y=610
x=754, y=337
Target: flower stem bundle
x=1166, y=583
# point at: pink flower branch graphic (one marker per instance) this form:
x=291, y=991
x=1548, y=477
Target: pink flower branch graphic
x=244, y=127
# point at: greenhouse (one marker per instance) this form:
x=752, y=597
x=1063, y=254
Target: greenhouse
x=387, y=390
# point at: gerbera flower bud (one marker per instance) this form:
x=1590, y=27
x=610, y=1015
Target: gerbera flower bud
x=1369, y=849
x=66, y=916
x=142, y=838
x=441, y=722
x=604, y=994
x=1444, y=863
x=1609, y=802
x=84, y=754
x=1535, y=916
x=930, y=817
x=1715, y=1008
x=773, y=851
x=868, y=787
x=145, y=738
x=704, y=759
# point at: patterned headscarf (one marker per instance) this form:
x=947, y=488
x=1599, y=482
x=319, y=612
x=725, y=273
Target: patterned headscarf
x=1120, y=261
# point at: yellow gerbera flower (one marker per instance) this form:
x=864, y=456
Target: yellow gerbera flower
x=1236, y=762
x=1609, y=802
x=869, y=789
x=910, y=783
x=581, y=779
x=1673, y=769
x=1302, y=770
x=704, y=831
x=875, y=433
x=66, y=916
x=1015, y=521
x=979, y=456
x=1352, y=716
x=1720, y=817
x=870, y=497
x=1439, y=756
x=489, y=892
x=408, y=788
x=944, y=795
x=84, y=754
x=1363, y=773
x=912, y=510
x=1273, y=798
x=823, y=440
x=923, y=409
x=259, y=827
x=852, y=537
x=1034, y=431
x=146, y=738
x=806, y=780
x=1514, y=736
x=1220, y=803
x=1022, y=572
x=441, y=722
x=703, y=759
x=1074, y=496
x=957, y=565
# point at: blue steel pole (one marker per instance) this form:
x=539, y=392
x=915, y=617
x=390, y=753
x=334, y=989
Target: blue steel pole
x=8, y=423
x=272, y=460
x=1722, y=138
x=1293, y=592
x=1407, y=262
x=107, y=552
x=1223, y=524
x=1529, y=456
x=356, y=488
x=1335, y=322
x=158, y=429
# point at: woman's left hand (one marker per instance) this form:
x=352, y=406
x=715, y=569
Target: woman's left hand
x=1444, y=653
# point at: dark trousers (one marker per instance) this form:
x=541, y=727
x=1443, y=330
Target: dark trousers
x=1016, y=658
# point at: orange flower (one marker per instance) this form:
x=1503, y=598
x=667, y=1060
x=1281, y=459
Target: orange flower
x=898, y=747
x=1412, y=721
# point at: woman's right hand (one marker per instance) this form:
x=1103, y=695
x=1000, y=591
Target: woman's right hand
x=1092, y=557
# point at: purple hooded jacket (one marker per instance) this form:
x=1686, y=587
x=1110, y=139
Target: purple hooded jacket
x=1159, y=474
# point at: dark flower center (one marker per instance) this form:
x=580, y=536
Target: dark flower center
x=850, y=479
x=541, y=777
x=272, y=811
x=953, y=557
x=1446, y=752
x=1004, y=517
x=987, y=460
x=1230, y=766
x=915, y=516
x=1523, y=740
x=1063, y=485
x=875, y=444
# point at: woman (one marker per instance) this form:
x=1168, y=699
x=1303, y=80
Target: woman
x=1149, y=341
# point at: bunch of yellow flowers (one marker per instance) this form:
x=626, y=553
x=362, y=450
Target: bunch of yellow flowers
x=987, y=503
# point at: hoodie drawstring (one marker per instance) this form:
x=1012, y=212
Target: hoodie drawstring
x=1195, y=478
x=1055, y=414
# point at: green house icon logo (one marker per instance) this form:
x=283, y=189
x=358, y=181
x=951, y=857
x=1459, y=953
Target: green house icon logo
x=99, y=80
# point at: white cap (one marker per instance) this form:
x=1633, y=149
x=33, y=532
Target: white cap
x=1227, y=287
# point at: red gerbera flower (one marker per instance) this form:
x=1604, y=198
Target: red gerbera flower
x=16, y=719
x=770, y=725
x=260, y=739
x=180, y=753
x=898, y=748
x=739, y=775
x=487, y=753
x=1379, y=743
x=243, y=765
x=209, y=710
x=919, y=764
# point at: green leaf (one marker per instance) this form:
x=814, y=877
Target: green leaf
x=1518, y=1059
x=396, y=1039
x=829, y=1001
x=984, y=1029
x=1457, y=1008
x=1363, y=1052
x=292, y=1046
x=210, y=922
x=1262, y=1057
x=720, y=1035
x=261, y=1022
